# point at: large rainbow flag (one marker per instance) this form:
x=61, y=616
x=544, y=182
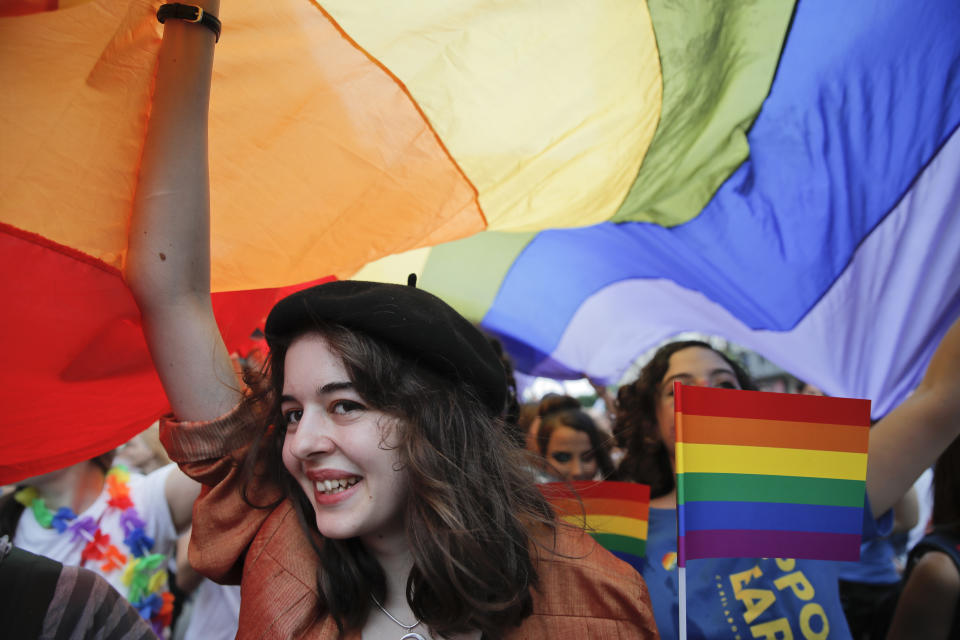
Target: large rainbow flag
x=616, y=514
x=584, y=179
x=769, y=475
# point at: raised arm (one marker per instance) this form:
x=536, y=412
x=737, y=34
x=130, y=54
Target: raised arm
x=909, y=439
x=168, y=262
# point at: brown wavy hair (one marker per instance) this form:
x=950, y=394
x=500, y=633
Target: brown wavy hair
x=511, y=412
x=473, y=514
x=635, y=425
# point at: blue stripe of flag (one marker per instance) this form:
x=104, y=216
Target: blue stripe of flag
x=698, y=516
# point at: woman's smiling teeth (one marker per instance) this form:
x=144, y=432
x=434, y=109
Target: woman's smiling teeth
x=336, y=486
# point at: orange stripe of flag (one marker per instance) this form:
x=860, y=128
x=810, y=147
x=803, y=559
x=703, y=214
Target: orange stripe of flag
x=787, y=434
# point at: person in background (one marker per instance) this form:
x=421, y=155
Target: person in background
x=45, y=600
x=528, y=422
x=807, y=389
x=870, y=587
x=604, y=416
x=929, y=604
x=548, y=403
x=143, y=452
x=120, y=524
x=212, y=610
x=923, y=488
x=573, y=447
x=769, y=597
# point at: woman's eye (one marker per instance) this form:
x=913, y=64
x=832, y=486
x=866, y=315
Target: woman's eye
x=726, y=384
x=561, y=457
x=588, y=457
x=292, y=417
x=343, y=407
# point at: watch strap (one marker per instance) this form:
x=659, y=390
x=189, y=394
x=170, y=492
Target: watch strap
x=189, y=13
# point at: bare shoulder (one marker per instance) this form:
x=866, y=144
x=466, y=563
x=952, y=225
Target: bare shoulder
x=936, y=570
x=929, y=600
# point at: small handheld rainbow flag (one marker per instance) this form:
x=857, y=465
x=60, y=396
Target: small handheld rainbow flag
x=614, y=513
x=769, y=475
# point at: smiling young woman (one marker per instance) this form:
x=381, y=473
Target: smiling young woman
x=341, y=453
x=364, y=484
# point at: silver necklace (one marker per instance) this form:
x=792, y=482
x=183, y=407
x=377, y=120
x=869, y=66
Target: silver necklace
x=406, y=627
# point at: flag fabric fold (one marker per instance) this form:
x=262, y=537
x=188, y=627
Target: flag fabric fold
x=582, y=179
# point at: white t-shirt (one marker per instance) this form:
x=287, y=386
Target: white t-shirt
x=149, y=499
x=924, y=487
x=216, y=609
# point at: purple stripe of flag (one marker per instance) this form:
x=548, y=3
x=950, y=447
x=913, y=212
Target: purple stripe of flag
x=768, y=544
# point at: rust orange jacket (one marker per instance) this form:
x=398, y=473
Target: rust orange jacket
x=584, y=592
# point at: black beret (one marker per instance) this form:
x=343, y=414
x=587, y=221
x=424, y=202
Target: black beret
x=416, y=323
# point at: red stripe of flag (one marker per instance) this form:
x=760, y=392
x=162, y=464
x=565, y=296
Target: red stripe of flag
x=764, y=405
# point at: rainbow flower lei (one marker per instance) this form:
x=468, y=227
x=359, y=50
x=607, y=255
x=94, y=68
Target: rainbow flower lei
x=144, y=573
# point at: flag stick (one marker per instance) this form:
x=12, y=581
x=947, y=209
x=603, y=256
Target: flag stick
x=681, y=524
x=682, y=598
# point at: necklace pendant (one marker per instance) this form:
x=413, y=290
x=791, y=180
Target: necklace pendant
x=412, y=636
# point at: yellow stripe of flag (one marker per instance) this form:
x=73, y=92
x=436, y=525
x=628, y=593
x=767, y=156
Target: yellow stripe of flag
x=620, y=525
x=489, y=91
x=723, y=458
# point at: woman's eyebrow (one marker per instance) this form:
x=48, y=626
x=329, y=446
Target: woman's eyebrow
x=677, y=376
x=719, y=371
x=330, y=387
x=687, y=376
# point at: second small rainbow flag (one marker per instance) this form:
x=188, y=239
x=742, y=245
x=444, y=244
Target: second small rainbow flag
x=769, y=475
x=614, y=513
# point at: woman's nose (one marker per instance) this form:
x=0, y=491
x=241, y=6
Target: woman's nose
x=576, y=468
x=311, y=437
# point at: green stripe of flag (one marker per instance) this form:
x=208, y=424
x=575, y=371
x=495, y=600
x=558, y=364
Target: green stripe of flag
x=624, y=544
x=718, y=60
x=472, y=291
x=736, y=487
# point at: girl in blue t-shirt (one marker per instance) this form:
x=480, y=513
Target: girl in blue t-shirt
x=767, y=598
